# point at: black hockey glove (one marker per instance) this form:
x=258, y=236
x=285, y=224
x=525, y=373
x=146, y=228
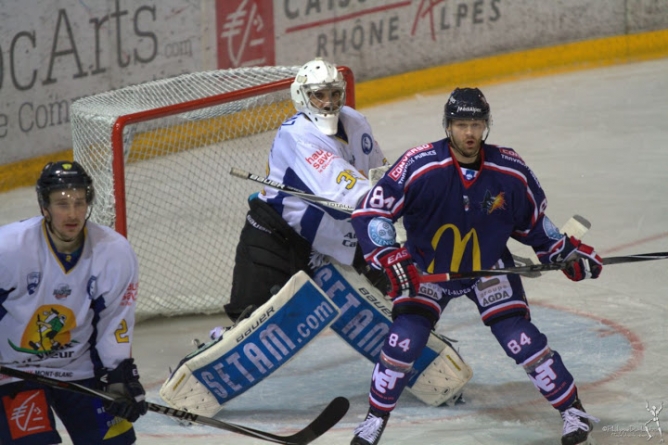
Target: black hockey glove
x=583, y=261
x=403, y=275
x=123, y=382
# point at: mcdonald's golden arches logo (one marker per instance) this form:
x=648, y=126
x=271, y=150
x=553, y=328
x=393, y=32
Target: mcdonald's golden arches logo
x=459, y=244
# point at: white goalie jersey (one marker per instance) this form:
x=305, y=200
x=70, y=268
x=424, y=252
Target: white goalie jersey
x=62, y=323
x=334, y=167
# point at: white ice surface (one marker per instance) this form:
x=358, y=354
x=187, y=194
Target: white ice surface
x=597, y=142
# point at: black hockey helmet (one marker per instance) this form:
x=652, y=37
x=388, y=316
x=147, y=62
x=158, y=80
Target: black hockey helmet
x=466, y=103
x=63, y=175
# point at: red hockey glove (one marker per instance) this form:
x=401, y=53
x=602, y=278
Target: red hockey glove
x=403, y=275
x=583, y=261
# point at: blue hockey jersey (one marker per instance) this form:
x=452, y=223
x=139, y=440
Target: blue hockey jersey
x=456, y=219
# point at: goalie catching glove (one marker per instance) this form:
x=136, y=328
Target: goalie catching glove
x=583, y=261
x=123, y=382
x=401, y=271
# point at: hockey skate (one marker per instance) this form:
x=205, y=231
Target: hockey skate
x=577, y=425
x=369, y=431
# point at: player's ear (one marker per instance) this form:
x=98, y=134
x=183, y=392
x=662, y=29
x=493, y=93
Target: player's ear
x=45, y=214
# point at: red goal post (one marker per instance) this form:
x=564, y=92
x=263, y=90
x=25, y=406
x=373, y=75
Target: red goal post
x=160, y=155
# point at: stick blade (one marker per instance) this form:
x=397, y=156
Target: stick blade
x=329, y=417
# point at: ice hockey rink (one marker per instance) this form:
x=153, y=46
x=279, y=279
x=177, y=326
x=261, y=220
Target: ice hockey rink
x=596, y=139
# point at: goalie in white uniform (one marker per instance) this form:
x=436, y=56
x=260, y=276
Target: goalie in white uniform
x=326, y=149
x=67, y=301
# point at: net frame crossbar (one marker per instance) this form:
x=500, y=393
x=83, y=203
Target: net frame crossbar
x=118, y=162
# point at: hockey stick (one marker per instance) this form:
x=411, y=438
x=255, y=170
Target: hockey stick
x=291, y=190
x=329, y=417
x=442, y=277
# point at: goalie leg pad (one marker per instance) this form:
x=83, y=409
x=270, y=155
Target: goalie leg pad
x=252, y=350
x=439, y=373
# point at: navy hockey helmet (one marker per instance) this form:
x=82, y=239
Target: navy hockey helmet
x=466, y=103
x=63, y=175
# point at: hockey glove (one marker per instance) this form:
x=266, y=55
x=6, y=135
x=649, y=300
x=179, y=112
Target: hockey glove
x=403, y=275
x=583, y=261
x=123, y=382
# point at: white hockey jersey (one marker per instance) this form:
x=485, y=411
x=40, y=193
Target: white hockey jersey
x=65, y=324
x=328, y=166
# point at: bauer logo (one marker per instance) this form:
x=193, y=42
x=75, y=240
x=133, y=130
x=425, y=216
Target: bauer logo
x=245, y=33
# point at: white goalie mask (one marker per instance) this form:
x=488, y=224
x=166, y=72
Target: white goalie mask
x=319, y=91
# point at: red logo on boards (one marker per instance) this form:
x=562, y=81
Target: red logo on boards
x=245, y=33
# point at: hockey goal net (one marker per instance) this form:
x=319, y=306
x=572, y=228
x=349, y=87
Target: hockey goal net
x=160, y=154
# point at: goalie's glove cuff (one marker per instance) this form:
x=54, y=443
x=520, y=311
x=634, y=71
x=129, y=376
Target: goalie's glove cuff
x=401, y=271
x=123, y=383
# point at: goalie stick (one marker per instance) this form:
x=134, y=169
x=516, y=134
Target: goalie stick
x=329, y=417
x=442, y=277
x=291, y=190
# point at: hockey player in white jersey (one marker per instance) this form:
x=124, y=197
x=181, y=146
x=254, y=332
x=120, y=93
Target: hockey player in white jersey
x=326, y=149
x=67, y=301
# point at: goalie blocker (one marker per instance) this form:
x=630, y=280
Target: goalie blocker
x=274, y=333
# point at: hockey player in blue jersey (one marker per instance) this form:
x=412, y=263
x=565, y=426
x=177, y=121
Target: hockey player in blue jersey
x=461, y=200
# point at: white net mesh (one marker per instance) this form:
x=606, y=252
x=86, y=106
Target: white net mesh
x=184, y=210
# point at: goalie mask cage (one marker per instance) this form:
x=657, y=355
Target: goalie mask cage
x=160, y=154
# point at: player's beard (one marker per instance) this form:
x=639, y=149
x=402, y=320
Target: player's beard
x=467, y=149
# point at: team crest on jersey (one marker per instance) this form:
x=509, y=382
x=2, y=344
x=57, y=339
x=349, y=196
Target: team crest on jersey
x=367, y=143
x=550, y=229
x=91, y=287
x=47, y=332
x=469, y=174
x=34, y=278
x=491, y=203
x=381, y=232
x=62, y=291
